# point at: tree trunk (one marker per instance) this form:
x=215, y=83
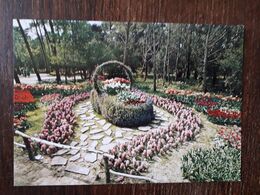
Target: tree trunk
x=195, y=74
x=16, y=77
x=66, y=75
x=74, y=75
x=145, y=71
x=214, y=78
x=29, y=50
x=57, y=71
x=154, y=61
x=84, y=73
x=41, y=44
x=165, y=57
x=187, y=72
x=169, y=72
x=176, y=67
x=205, y=62
x=126, y=41
x=54, y=52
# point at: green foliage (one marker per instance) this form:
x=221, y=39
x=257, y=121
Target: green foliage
x=212, y=164
x=123, y=115
x=224, y=121
x=21, y=109
x=177, y=56
x=94, y=99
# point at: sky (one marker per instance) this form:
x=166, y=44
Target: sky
x=32, y=33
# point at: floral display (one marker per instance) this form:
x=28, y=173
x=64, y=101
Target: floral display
x=201, y=94
x=50, y=98
x=23, y=96
x=58, y=124
x=228, y=136
x=222, y=117
x=223, y=110
x=129, y=97
x=42, y=89
x=116, y=80
x=23, y=102
x=133, y=157
x=115, y=85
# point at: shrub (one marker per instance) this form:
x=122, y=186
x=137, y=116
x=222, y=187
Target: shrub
x=94, y=99
x=128, y=115
x=217, y=164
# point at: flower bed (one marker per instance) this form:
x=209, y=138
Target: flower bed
x=134, y=156
x=59, y=121
x=217, y=164
x=23, y=102
x=224, y=117
x=50, y=98
x=219, y=109
x=43, y=89
x=23, y=96
x=230, y=137
x=115, y=85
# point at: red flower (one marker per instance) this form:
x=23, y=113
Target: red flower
x=23, y=96
x=206, y=102
x=224, y=114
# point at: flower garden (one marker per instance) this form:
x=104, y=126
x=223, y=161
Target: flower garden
x=135, y=128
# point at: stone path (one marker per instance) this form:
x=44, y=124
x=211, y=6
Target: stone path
x=95, y=133
x=78, y=167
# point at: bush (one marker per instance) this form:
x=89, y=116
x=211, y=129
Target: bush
x=215, y=164
x=123, y=115
x=94, y=99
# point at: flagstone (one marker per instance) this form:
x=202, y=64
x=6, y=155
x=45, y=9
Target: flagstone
x=88, y=124
x=73, y=143
x=118, y=134
x=144, y=128
x=83, y=137
x=95, y=131
x=93, y=145
x=101, y=122
x=75, y=157
x=108, y=132
x=107, y=126
x=77, y=169
x=96, y=137
x=107, y=140
x=90, y=157
x=74, y=151
x=58, y=161
x=60, y=152
x=84, y=129
x=107, y=147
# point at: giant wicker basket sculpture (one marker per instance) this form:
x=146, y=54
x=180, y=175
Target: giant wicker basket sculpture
x=115, y=111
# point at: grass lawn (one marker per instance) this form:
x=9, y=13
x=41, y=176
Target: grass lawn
x=147, y=86
x=35, y=119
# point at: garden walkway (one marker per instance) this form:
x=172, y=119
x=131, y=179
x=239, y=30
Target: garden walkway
x=96, y=133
